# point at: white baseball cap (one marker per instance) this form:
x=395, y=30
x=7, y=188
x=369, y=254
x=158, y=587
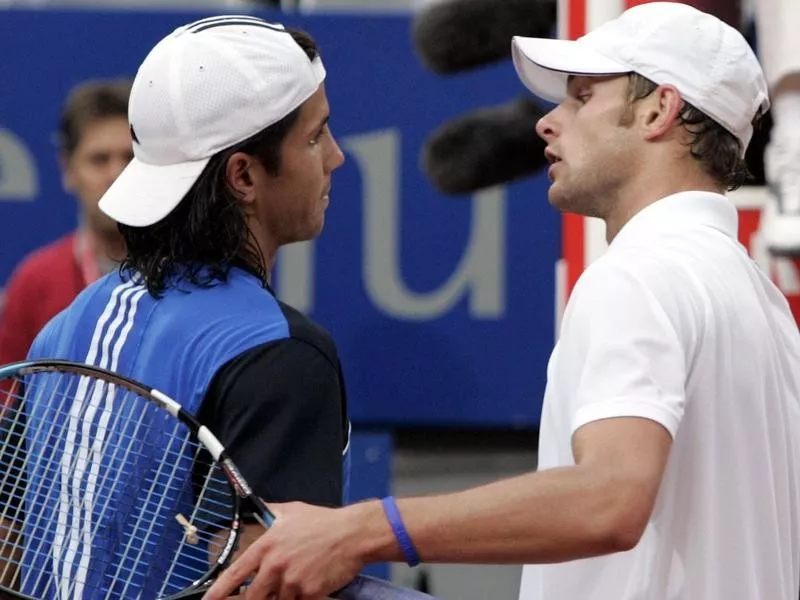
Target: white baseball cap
x=709, y=63
x=205, y=87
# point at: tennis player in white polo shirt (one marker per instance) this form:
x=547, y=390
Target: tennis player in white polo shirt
x=669, y=457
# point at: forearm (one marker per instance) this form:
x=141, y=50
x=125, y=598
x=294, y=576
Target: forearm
x=548, y=516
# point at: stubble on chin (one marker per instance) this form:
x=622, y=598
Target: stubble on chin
x=576, y=200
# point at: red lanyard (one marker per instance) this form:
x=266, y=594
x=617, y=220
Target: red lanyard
x=86, y=258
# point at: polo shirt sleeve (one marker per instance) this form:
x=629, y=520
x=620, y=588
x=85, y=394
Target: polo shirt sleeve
x=623, y=350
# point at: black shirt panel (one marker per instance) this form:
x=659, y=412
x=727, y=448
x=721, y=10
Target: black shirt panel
x=280, y=411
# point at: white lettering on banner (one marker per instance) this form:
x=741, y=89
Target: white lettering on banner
x=296, y=275
x=18, y=174
x=481, y=270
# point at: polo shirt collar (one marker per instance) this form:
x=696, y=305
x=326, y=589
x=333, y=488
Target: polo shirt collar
x=681, y=211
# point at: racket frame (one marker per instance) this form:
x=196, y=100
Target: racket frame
x=243, y=495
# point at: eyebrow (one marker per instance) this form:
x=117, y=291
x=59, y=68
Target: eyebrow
x=571, y=79
x=574, y=85
x=322, y=123
x=571, y=84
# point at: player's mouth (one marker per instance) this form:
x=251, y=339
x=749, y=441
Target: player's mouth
x=553, y=159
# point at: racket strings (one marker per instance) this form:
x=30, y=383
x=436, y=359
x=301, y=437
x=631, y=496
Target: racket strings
x=103, y=493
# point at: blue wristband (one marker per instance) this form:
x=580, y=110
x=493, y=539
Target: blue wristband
x=400, y=533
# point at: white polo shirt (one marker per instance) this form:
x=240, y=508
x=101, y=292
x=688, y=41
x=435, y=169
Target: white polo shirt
x=675, y=323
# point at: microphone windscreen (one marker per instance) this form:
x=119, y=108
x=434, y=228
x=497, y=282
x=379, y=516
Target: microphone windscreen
x=456, y=35
x=486, y=147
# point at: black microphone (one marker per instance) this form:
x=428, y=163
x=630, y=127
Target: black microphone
x=486, y=147
x=456, y=35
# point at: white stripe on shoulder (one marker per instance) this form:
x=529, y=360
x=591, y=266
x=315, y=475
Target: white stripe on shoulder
x=73, y=465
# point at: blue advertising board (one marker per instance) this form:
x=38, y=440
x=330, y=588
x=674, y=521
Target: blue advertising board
x=443, y=308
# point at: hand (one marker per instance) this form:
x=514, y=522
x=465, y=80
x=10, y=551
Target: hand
x=305, y=555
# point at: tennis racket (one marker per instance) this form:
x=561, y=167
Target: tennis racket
x=109, y=489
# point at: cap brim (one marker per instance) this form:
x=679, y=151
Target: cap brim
x=543, y=64
x=144, y=194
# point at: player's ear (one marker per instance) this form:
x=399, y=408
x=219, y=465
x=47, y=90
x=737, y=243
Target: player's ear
x=660, y=111
x=241, y=177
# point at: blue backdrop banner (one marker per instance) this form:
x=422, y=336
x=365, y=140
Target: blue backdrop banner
x=443, y=308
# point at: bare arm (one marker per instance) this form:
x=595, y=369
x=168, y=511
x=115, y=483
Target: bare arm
x=600, y=505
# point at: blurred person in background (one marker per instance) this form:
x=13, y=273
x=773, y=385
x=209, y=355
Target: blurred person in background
x=94, y=146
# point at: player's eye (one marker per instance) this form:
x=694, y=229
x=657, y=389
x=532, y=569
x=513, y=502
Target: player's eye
x=319, y=134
